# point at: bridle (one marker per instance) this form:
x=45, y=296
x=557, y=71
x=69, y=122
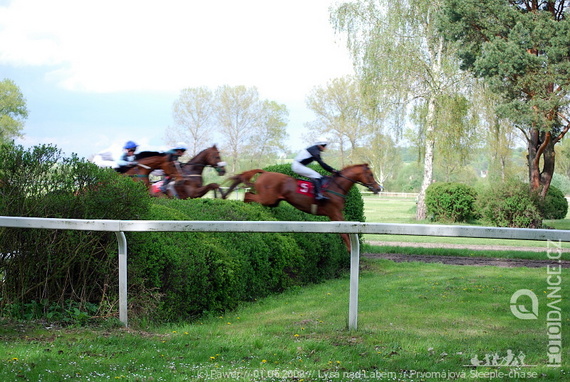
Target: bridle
x=370, y=185
x=218, y=167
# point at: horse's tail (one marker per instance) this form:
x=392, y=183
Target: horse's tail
x=244, y=177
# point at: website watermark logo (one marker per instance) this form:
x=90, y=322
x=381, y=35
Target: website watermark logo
x=521, y=310
x=495, y=359
x=554, y=298
x=524, y=304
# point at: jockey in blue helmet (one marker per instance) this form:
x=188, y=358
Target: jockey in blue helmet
x=128, y=157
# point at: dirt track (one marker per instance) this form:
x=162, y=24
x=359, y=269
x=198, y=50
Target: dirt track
x=475, y=261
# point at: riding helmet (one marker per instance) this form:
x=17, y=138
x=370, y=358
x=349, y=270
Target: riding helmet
x=130, y=145
x=180, y=146
x=321, y=142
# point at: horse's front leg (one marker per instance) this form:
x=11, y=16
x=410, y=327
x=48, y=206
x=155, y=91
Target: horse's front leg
x=346, y=240
x=336, y=215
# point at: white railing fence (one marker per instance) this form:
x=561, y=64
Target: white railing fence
x=351, y=228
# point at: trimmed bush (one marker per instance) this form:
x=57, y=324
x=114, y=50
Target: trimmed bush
x=510, y=204
x=451, y=202
x=554, y=205
x=181, y=275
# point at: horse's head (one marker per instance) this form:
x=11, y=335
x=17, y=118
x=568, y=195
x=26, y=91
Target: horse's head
x=214, y=159
x=361, y=173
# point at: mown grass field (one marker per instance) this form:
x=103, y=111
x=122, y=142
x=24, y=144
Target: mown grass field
x=417, y=322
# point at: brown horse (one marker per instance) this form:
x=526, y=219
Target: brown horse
x=271, y=188
x=193, y=186
x=148, y=161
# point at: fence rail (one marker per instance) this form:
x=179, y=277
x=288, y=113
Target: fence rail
x=351, y=228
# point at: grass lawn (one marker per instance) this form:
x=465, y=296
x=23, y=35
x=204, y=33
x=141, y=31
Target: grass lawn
x=417, y=322
x=403, y=210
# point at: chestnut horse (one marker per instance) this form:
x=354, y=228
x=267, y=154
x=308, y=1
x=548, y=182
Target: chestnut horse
x=148, y=161
x=272, y=187
x=192, y=186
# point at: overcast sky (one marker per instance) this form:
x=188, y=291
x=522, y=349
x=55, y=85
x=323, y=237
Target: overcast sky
x=98, y=73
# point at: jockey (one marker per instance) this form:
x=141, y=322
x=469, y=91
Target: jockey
x=307, y=156
x=128, y=158
x=175, y=153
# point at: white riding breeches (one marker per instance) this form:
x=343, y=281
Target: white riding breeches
x=305, y=171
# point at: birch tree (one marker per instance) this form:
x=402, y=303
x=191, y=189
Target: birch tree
x=341, y=113
x=249, y=126
x=193, y=115
x=13, y=111
x=402, y=59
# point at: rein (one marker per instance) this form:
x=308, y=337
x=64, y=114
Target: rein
x=345, y=191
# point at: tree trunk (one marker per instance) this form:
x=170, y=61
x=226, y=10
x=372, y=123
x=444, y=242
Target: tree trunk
x=421, y=212
x=540, y=152
x=549, y=160
x=533, y=159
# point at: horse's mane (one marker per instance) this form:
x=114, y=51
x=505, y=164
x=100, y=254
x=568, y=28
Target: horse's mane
x=355, y=165
x=191, y=161
x=147, y=154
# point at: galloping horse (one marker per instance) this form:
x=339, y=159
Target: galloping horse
x=193, y=187
x=147, y=161
x=271, y=188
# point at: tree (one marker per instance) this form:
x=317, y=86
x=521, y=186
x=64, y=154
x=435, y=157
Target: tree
x=383, y=156
x=522, y=49
x=193, y=114
x=238, y=113
x=247, y=123
x=500, y=137
x=402, y=60
x=13, y=111
x=341, y=112
x=270, y=134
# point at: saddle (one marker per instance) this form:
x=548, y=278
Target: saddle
x=122, y=169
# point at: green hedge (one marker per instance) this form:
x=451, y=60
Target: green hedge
x=451, y=202
x=554, y=205
x=52, y=267
x=180, y=275
x=510, y=204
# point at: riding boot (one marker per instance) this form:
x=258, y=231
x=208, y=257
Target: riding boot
x=164, y=187
x=317, y=183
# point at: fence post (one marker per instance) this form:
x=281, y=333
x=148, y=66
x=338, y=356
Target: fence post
x=354, y=274
x=122, y=241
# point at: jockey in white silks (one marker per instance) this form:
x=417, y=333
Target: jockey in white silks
x=307, y=156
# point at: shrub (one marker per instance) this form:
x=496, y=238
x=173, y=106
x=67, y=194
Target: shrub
x=180, y=275
x=510, y=204
x=58, y=265
x=554, y=205
x=452, y=202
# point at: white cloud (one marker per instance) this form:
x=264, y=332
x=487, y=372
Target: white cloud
x=284, y=47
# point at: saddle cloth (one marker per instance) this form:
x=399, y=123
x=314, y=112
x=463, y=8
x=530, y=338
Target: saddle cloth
x=306, y=187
